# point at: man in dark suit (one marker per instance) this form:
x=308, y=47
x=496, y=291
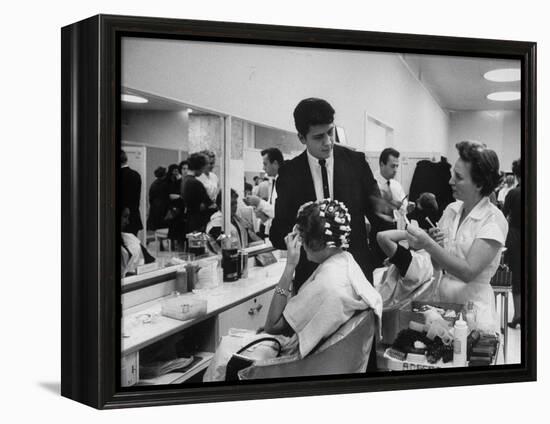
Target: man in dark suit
x=324, y=170
x=130, y=193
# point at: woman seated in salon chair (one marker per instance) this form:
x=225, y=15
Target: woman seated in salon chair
x=331, y=298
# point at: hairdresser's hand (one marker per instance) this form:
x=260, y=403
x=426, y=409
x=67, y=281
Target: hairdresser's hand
x=437, y=235
x=251, y=201
x=418, y=238
x=293, y=245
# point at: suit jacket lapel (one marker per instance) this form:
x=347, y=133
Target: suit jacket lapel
x=308, y=192
x=340, y=173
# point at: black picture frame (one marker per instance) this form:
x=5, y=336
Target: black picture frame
x=90, y=284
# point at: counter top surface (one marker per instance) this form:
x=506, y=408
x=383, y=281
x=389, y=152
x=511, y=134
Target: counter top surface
x=143, y=324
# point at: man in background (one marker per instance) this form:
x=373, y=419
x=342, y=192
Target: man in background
x=130, y=193
x=272, y=159
x=390, y=189
x=392, y=197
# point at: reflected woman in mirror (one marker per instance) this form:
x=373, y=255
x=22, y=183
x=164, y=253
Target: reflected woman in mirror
x=207, y=177
x=198, y=204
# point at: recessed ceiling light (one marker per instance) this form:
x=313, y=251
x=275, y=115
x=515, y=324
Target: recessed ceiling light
x=189, y=110
x=130, y=98
x=504, y=96
x=503, y=75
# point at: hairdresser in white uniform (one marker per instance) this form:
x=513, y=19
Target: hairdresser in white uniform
x=469, y=237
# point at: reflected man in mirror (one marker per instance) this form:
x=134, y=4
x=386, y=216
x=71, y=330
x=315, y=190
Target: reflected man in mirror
x=272, y=159
x=130, y=188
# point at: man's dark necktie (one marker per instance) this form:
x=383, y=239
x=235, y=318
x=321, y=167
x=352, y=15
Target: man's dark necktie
x=324, y=175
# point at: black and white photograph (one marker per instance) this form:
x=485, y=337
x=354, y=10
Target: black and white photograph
x=294, y=212
x=239, y=211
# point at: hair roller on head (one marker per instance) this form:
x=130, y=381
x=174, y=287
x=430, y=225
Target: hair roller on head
x=324, y=223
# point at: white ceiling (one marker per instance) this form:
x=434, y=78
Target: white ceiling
x=457, y=83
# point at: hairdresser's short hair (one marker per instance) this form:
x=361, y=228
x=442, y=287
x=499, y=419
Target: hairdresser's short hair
x=484, y=165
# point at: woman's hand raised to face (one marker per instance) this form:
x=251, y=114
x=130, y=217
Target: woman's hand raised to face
x=293, y=245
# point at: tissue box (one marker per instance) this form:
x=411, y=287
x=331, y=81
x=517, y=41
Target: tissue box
x=184, y=307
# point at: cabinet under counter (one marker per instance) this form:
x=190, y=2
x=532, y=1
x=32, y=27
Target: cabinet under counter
x=240, y=304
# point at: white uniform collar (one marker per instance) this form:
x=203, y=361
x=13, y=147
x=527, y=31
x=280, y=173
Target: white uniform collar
x=478, y=212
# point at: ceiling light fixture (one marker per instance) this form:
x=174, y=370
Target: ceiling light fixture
x=503, y=75
x=504, y=96
x=189, y=110
x=130, y=98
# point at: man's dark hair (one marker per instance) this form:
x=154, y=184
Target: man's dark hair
x=123, y=157
x=273, y=154
x=484, y=165
x=197, y=161
x=160, y=172
x=386, y=153
x=310, y=112
x=256, y=178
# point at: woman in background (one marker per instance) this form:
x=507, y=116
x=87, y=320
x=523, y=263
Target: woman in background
x=158, y=200
x=207, y=177
x=174, y=215
x=468, y=240
x=512, y=211
x=198, y=205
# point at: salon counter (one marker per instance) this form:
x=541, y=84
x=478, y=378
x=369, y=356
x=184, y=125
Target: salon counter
x=143, y=324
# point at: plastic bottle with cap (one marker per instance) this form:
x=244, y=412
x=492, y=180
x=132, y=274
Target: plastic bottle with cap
x=460, y=342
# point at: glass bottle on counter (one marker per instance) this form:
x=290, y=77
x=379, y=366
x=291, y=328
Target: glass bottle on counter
x=470, y=315
x=230, y=257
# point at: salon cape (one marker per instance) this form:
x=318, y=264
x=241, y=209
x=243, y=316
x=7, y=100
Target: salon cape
x=335, y=291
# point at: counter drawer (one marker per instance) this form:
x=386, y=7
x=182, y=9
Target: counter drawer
x=249, y=315
x=129, y=373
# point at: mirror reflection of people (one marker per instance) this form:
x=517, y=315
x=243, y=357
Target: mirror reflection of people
x=130, y=187
x=207, y=177
x=198, y=205
x=468, y=239
x=329, y=298
x=508, y=184
x=240, y=230
x=175, y=215
x=158, y=200
x=390, y=189
x=324, y=170
x=132, y=252
x=272, y=160
x=512, y=211
x=183, y=167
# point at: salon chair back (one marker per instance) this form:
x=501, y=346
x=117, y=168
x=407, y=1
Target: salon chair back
x=346, y=351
